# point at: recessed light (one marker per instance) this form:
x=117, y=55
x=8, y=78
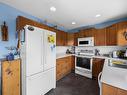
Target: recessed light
x=98, y=15
x=73, y=23
x=53, y=9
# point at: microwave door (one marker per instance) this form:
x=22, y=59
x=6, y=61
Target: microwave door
x=84, y=43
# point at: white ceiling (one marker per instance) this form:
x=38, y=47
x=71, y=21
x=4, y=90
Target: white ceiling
x=81, y=11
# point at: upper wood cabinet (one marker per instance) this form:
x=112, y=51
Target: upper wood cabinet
x=99, y=37
x=76, y=38
x=86, y=33
x=70, y=39
x=61, y=38
x=111, y=35
x=122, y=30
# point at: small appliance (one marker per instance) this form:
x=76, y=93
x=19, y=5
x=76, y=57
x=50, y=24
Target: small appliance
x=87, y=41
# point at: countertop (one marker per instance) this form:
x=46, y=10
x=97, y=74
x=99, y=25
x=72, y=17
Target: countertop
x=114, y=76
x=62, y=55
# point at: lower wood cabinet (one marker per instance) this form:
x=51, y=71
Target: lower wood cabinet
x=121, y=92
x=64, y=66
x=97, y=67
x=11, y=77
x=110, y=90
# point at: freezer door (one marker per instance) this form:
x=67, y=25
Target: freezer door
x=34, y=51
x=34, y=84
x=49, y=50
x=41, y=83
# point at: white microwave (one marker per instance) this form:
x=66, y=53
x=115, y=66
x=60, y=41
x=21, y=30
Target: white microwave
x=87, y=41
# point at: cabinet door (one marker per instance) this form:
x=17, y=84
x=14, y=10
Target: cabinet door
x=64, y=38
x=70, y=39
x=11, y=77
x=72, y=63
x=108, y=90
x=122, y=28
x=100, y=37
x=58, y=69
x=76, y=39
x=111, y=35
x=63, y=67
x=89, y=33
x=61, y=38
x=97, y=67
x=122, y=92
x=58, y=38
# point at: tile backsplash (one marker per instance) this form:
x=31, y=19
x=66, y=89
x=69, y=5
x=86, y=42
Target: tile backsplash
x=103, y=49
x=61, y=49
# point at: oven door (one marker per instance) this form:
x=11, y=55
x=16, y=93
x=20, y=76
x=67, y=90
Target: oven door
x=84, y=63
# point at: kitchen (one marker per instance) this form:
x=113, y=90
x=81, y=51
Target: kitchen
x=90, y=59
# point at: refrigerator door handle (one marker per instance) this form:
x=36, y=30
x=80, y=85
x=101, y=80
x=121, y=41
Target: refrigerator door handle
x=22, y=32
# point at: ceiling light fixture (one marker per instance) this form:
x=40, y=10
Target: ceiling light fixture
x=73, y=23
x=53, y=9
x=98, y=15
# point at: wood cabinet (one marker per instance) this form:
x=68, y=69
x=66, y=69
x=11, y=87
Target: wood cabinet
x=121, y=92
x=11, y=77
x=72, y=62
x=70, y=39
x=97, y=67
x=110, y=90
x=61, y=36
x=111, y=35
x=88, y=32
x=122, y=31
x=100, y=37
x=64, y=66
x=76, y=39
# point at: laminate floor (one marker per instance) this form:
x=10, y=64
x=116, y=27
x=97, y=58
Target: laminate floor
x=74, y=84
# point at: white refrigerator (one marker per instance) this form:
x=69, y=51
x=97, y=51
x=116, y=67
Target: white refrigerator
x=38, y=54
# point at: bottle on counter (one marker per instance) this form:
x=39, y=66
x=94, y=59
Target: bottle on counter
x=125, y=53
